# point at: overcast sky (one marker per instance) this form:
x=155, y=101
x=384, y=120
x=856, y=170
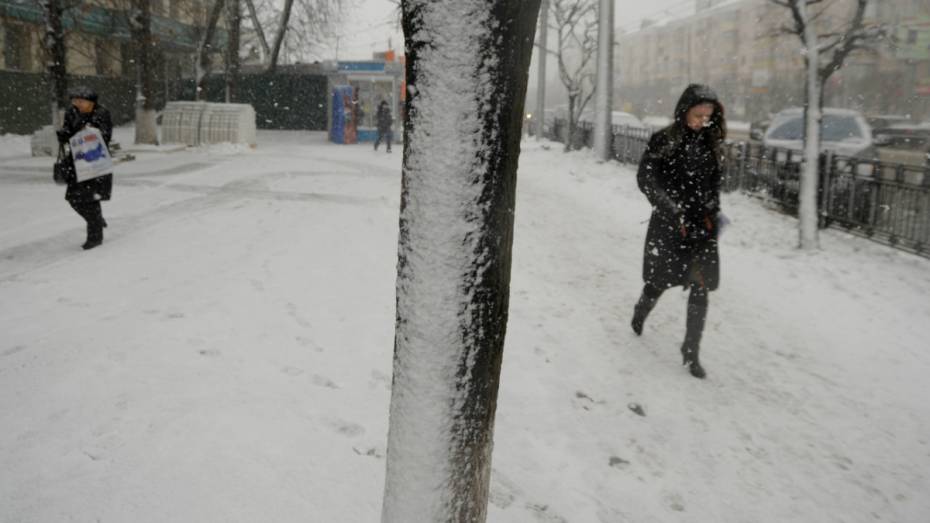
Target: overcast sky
x=373, y=22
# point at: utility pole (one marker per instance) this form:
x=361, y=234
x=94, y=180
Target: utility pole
x=542, y=56
x=603, y=138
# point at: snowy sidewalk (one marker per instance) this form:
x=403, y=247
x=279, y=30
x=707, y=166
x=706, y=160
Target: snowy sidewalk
x=226, y=354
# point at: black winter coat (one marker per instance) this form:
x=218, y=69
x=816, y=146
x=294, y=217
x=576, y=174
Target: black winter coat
x=680, y=174
x=99, y=188
x=384, y=119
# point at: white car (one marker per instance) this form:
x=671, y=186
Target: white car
x=618, y=118
x=842, y=131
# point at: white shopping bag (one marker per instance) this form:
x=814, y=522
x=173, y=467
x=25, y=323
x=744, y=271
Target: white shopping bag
x=91, y=157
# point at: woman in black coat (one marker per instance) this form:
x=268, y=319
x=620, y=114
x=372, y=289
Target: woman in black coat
x=384, y=121
x=85, y=197
x=680, y=174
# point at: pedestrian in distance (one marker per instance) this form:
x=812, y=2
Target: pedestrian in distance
x=680, y=174
x=85, y=196
x=384, y=125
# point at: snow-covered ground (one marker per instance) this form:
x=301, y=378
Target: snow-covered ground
x=225, y=355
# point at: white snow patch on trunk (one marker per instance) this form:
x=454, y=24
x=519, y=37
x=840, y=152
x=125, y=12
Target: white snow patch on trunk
x=443, y=175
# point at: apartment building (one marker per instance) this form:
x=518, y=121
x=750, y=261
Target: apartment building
x=739, y=48
x=99, y=52
x=97, y=36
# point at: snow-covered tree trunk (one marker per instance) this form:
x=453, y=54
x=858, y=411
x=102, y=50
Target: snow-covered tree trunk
x=467, y=67
x=603, y=116
x=54, y=44
x=807, y=198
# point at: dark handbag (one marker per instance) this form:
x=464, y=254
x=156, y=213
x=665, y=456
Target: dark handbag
x=63, y=171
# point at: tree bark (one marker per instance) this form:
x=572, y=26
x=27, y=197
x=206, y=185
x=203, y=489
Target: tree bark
x=140, y=24
x=234, y=24
x=466, y=71
x=56, y=55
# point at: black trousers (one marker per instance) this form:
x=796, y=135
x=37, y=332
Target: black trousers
x=91, y=212
x=386, y=135
x=697, y=310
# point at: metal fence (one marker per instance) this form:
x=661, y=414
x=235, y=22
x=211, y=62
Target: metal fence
x=888, y=203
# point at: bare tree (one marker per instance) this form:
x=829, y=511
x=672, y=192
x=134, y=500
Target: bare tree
x=825, y=49
x=259, y=32
x=279, y=35
x=306, y=23
x=203, y=49
x=575, y=24
x=466, y=70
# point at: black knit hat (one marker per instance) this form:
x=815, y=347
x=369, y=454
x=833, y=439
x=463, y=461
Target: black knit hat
x=84, y=92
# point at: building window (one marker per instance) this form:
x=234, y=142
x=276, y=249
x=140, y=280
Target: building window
x=103, y=59
x=911, y=36
x=16, y=47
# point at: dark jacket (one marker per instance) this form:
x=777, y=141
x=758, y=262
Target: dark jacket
x=680, y=174
x=384, y=118
x=99, y=188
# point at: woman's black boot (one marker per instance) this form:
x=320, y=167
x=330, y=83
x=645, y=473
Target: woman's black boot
x=644, y=306
x=697, y=313
x=94, y=237
x=689, y=357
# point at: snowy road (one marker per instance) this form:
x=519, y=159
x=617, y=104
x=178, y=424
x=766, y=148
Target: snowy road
x=226, y=354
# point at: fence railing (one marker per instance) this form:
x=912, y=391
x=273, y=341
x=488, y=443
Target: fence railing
x=888, y=203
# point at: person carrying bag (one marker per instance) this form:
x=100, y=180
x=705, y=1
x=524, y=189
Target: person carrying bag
x=88, y=169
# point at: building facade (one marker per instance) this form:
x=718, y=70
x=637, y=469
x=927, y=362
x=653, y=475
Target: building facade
x=740, y=50
x=99, y=53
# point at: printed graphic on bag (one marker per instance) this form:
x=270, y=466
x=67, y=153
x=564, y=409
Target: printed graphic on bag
x=91, y=157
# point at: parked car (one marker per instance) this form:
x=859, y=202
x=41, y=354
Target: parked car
x=757, y=129
x=900, y=132
x=656, y=123
x=618, y=118
x=842, y=131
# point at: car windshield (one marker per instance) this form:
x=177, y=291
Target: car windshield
x=833, y=128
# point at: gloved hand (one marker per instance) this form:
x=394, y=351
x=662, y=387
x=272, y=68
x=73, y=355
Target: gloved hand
x=63, y=135
x=698, y=230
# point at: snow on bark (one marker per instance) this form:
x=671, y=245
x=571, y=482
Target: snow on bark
x=467, y=66
x=807, y=204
